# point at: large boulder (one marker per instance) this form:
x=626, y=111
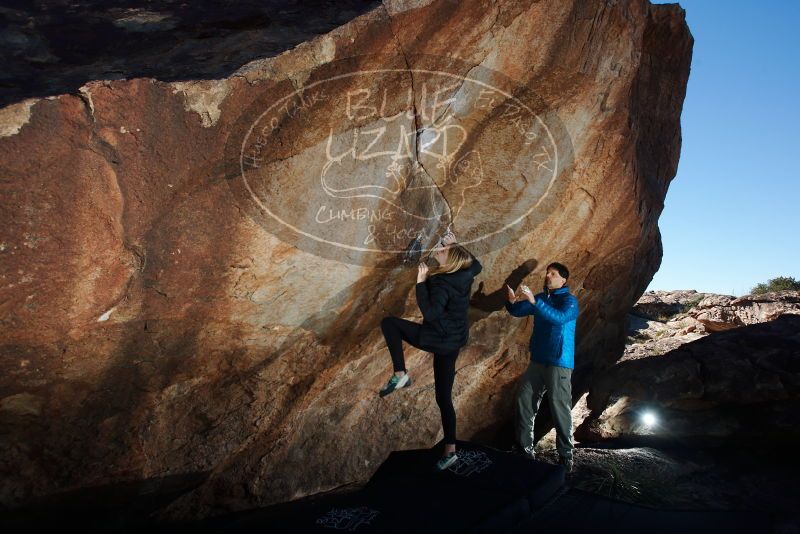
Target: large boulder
x=186, y=282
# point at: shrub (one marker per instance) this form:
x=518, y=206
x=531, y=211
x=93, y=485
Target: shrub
x=692, y=303
x=780, y=283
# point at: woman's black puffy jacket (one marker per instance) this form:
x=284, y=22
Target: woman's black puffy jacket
x=443, y=300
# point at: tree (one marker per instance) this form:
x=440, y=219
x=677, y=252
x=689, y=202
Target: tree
x=780, y=283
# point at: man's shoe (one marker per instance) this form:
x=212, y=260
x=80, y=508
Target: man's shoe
x=529, y=454
x=566, y=462
x=395, y=383
x=446, y=461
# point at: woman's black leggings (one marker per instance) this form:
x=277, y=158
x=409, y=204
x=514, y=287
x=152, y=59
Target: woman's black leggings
x=397, y=330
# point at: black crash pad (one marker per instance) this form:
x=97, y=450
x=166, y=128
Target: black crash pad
x=487, y=490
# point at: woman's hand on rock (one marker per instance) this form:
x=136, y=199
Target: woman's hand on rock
x=449, y=238
x=422, y=272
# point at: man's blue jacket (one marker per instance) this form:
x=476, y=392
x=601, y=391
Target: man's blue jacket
x=555, y=316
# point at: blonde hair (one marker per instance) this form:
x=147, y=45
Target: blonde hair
x=457, y=259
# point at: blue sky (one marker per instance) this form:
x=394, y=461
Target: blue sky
x=731, y=214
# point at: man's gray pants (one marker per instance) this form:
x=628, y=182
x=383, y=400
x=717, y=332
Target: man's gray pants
x=557, y=382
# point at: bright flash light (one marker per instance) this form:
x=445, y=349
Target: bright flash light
x=649, y=418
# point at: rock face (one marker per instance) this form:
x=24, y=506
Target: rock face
x=742, y=383
x=663, y=304
x=55, y=47
x=664, y=320
x=157, y=319
x=721, y=312
x=661, y=321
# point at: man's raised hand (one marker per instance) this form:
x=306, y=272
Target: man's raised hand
x=528, y=294
x=511, y=295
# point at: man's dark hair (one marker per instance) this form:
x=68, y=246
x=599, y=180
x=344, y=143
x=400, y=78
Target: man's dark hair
x=561, y=268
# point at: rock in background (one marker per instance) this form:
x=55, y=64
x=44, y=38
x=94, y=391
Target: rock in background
x=724, y=312
x=664, y=320
x=740, y=382
x=150, y=326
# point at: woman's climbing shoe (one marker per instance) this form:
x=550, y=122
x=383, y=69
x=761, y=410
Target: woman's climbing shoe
x=396, y=383
x=446, y=461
